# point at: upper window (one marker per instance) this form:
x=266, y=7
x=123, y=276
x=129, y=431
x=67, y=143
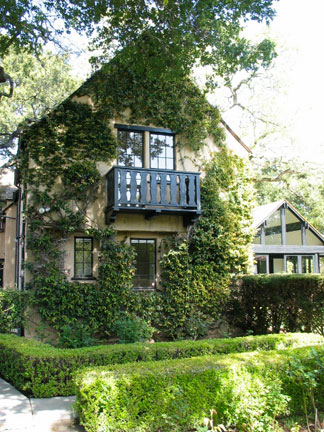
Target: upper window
x=273, y=229
x=162, y=151
x=145, y=272
x=83, y=257
x=145, y=147
x=293, y=229
x=130, y=148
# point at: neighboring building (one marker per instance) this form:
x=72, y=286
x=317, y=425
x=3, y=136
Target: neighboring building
x=285, y=241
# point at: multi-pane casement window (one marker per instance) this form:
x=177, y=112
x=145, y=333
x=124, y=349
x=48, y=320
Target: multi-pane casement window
x=145, y=147
x=145, y=273
x=83, y=257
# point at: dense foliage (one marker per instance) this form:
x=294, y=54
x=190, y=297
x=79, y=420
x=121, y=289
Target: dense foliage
x=182, y=33
x=13, y=306
x=248, y=391
x=271, y=303
x=41, y=83
x=196, y=271
x=41, y=370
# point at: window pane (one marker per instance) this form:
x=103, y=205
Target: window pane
x=130, y=148
x=170, y=164
x=87, y=270
x=78, y=269
x=321, y=264
x=87, y=244
x=312, y=239
x=278, y=265
x=261, y=264
x=273, y=229
x=162, y=151
x=293, y=229
x=145, y=263
x=292, y=264
x=257, y=237
x=307, y=264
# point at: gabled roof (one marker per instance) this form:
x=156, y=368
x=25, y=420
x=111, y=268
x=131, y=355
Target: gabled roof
x=262, y=213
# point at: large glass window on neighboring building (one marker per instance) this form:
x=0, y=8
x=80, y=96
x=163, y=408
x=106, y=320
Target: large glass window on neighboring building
x=130, y=148
x=257, y=237
x=260, y=264
x=145, y=273
x=292, y=264
x=307, y=264
x=312, y=239
x=273, y=229
x=293, y=229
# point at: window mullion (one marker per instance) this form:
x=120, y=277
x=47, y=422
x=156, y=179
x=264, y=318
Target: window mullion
x=147, y=150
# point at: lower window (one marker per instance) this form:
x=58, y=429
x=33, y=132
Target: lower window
x=260, y=264
x=292, y=264
x=145, y=273
x=83, y=257
x=307, y=264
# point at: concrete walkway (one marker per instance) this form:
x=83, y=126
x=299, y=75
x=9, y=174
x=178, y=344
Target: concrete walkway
x=21, y=414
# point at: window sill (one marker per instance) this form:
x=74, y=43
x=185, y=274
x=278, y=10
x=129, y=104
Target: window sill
x=84, y=278
x=143, y=289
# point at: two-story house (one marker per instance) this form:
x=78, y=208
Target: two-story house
x=147, y=192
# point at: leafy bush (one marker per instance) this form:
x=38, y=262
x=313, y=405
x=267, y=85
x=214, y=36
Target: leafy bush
x=195, y=272
x=76, y=335
x=270, y=303
x=132, y=329
x=12, y=309
x=41, y=370
x=248, y=391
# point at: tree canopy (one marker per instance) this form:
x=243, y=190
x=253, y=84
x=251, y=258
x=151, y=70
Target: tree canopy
x=182, y=33
x=40, y=84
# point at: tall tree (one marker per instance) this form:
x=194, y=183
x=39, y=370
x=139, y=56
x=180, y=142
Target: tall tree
x=181, y=32
x=40, y=84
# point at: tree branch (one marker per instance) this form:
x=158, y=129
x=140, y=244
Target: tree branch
x=275, y=179
x=4, y=77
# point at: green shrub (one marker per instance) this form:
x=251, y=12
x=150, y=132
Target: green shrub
x=40, y=370
x=270, y=303
x=248, y=391
x=132, y=329
x=13, y=305
x=76, y=335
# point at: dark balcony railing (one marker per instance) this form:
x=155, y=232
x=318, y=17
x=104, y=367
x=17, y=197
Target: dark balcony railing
x=152, y=191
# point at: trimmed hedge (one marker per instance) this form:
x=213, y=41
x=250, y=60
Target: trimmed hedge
x=40, y=370
x=270, y=303
x=248, y=391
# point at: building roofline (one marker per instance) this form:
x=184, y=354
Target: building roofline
x=238, y=139
x=277, y=205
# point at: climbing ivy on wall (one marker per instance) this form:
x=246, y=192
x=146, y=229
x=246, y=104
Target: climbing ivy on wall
x=197, y=269
x=57, y=162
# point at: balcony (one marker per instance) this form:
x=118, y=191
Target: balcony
x=152, y=192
